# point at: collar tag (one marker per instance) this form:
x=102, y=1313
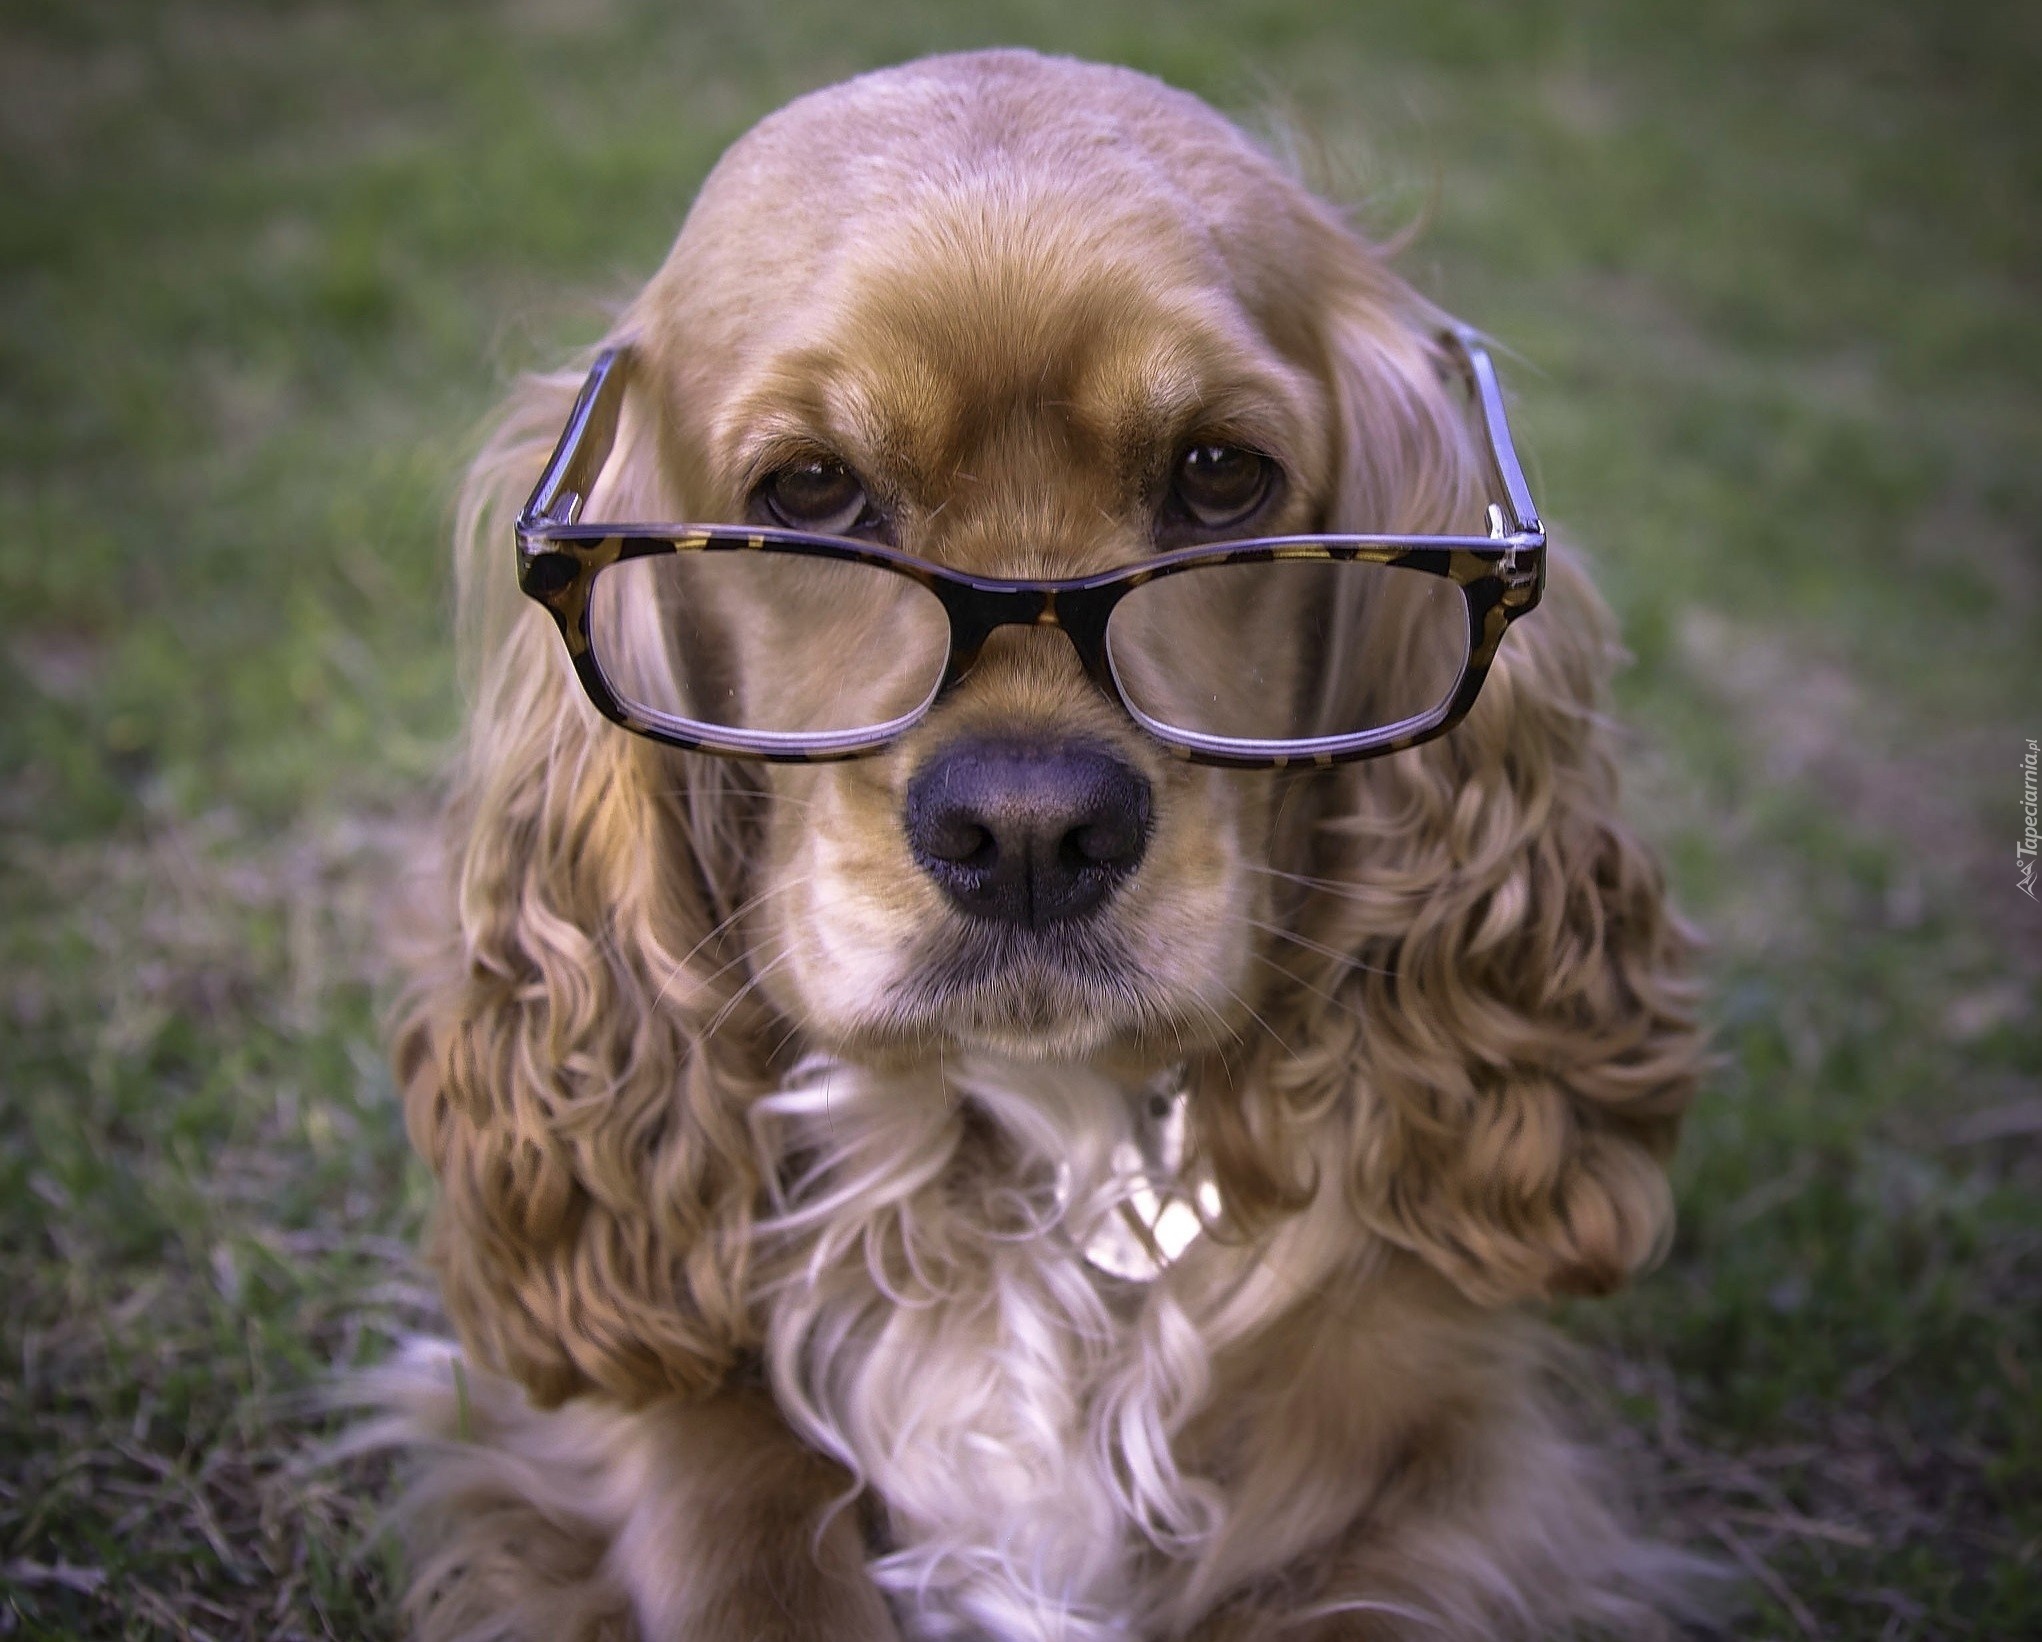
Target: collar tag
x=1157, y=1211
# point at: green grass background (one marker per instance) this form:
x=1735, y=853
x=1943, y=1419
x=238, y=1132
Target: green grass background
x=1770, y=274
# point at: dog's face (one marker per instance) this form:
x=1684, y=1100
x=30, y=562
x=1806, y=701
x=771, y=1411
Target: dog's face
x=1026, y=870
x=1024, y=348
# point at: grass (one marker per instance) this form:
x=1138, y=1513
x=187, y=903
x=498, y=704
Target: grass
x=1768, y=271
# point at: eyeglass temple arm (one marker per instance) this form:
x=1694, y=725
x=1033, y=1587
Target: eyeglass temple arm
x=1524, y=515
x=585, y=444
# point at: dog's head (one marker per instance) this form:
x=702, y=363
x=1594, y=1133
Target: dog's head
x=1024, y=318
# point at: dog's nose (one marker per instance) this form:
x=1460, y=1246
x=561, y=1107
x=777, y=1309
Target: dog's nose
x=1027, y=833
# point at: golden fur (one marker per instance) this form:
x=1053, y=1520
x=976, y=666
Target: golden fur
x=765, y=1250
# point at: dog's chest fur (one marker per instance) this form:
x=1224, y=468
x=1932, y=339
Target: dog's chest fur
x=941, y=1332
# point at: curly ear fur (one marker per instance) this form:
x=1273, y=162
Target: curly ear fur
x=1491, y=979
x=573, y=1068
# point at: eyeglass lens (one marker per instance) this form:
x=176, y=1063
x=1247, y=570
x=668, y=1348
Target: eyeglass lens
x=1292, y=651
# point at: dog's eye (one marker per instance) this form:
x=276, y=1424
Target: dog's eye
x=818, y=495
x=1220, y=485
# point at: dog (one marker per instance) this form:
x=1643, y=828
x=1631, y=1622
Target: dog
x=997, y=1065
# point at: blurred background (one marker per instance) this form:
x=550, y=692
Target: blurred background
x=1768, y=274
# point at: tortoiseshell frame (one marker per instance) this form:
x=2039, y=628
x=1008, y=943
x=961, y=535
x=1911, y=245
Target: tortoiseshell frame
x=1502, y=576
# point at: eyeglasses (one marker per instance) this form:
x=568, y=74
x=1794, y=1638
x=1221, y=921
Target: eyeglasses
x=801, y=648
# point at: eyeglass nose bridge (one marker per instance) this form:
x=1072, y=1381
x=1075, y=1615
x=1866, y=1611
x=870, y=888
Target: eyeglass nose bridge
x=977, y=612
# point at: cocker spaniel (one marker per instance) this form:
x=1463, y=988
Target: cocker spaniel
x=1025, y=999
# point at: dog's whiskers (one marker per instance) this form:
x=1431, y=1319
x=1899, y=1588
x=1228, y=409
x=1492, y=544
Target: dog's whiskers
x=723, y=927
x=744, y=909
x=1342, y=890
x=751, y=984
x=1346, y=960
x=1330, y=999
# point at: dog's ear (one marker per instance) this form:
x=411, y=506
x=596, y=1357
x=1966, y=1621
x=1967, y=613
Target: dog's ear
x=1528, y=1040
x=1404, y=457
x=1503, y=1016
x=559, y=1070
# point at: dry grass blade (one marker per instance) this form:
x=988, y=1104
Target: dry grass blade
x=1775, y=1587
